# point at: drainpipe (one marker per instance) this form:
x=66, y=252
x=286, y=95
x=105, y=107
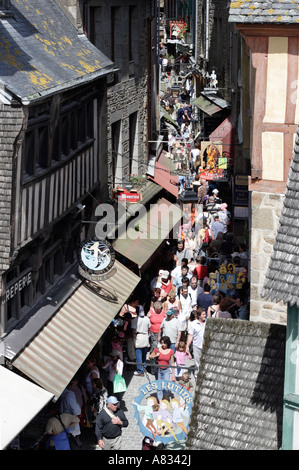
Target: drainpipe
x=207, y=28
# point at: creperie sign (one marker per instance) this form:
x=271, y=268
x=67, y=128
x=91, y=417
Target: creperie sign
x=17, y=286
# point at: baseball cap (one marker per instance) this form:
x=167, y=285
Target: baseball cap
x=112, y=400
x=215, y=191
x=170, y=312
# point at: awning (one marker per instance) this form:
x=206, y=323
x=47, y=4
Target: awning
x=145, y=234
x=212, y=96
x=20, y=402
x=53, y=357
x=225, y=133
x=164, y=114
x=162, y=174
x=206, y=106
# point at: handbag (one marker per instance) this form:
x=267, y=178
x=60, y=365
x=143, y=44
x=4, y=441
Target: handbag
x=141, y=340
x=119, y=384
x=74, y=444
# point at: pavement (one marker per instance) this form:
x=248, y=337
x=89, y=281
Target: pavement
x=132, y=436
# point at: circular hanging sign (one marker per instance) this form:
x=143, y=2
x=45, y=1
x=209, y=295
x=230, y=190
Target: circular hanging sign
x=96, y=259
x=165, y=420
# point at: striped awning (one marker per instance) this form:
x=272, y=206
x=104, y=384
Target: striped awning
x=55, y=354
x=146, y=233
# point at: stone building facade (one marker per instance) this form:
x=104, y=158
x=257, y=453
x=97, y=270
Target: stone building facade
x=214, y=40
x=266, y=210
x=125, y=31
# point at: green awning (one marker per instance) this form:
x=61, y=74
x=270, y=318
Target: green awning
x=146, y=232
x=165, y=115
x=206, y=106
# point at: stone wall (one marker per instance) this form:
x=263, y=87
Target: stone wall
x=219, y=50
x=265, y=210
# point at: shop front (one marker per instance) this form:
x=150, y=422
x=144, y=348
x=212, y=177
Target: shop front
x=48, y=347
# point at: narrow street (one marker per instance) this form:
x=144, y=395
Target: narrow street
x=132, y=436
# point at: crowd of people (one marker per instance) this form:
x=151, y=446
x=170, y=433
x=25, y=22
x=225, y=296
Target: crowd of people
x=202, y=274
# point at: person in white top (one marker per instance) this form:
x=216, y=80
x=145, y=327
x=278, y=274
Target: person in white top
x=196, y=330
x=141, y=330
x=194, y=289
x=185, y=307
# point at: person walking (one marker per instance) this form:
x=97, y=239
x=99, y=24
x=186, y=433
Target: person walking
x=165, y=357
x=109, y=424
x=141, y=327
x=170, y=327
x=69, y=404
x=56, y=427
x=196, y=332
x=156, y=316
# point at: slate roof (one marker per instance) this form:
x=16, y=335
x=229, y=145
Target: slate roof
x=41, y=52
x=282, y=277
x=264, y=11
x=238, y=400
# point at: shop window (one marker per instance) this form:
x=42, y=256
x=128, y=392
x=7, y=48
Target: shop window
x=56, y=147
x=75, y=127
x=43, y=147
x=65, y=132
x=133, y=33
x=29, y=154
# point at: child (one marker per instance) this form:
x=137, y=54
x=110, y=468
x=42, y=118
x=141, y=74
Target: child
x=185, y=381
x=116, y=343
x=114, y=365
x=180, y=357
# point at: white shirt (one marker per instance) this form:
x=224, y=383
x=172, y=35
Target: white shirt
x=197, y=330
x=194, y=293
x=186, y=308
x=141, y=324
x=195, y=153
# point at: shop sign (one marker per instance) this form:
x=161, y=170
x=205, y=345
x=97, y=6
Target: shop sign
x=167, y=420
x=214, y=160
x=127, y=196
x=230, y=278
x=241, y=195
x=96, y=259
x=17, y=286
x=216, y=175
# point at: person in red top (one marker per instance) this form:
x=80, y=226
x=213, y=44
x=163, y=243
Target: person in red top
x=165, y=357
x=166, y=285
x=201, y=270
x=156, y=316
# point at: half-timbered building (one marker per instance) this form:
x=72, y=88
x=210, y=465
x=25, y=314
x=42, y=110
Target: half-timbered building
x=270, y=114
x=53, y=149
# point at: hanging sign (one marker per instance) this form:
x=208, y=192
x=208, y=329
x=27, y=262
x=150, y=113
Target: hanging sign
x=96, y=259
x=131, y=197
x=166, y=420
x=230, y=278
